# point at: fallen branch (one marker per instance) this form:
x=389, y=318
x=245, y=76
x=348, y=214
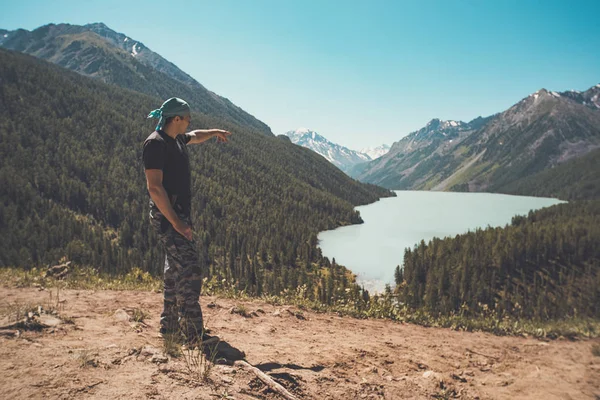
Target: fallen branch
x=88, y=387
x=267, y=380
x=484, y=355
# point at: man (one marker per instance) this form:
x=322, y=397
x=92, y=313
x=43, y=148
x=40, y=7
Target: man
x=168, y=179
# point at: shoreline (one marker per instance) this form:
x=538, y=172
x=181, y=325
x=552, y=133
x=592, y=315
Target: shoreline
x=379, y=284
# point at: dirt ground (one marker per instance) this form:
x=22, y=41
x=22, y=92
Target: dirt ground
x=95, y=349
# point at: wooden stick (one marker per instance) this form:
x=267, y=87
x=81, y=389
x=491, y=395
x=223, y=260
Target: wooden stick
x=88, y=387
x=276, y=387
x=481, y=354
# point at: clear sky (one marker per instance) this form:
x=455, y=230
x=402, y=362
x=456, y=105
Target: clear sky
x=361, y=73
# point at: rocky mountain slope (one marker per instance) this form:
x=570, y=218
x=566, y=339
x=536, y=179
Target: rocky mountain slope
x=340, y=156
x=540, y=132
x=375, y=152
x=576, y=179
x=97, y=51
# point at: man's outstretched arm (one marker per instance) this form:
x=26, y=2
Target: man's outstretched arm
x=202, y=135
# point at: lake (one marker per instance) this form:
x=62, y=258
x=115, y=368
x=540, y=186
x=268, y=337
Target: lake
x=373, y=250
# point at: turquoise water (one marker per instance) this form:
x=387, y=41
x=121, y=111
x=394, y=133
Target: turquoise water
x=373, y=249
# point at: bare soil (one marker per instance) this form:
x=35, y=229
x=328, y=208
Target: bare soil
x=95, y=350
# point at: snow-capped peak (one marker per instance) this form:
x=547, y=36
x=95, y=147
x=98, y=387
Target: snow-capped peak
x=446, y=124
x=134, y=50
x=340, y=156
x=376, y=152
x=438, y=123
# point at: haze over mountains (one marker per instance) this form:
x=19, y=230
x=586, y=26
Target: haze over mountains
x=542, y=131
x=375, y=152
x=538, y=133
x=340, y=156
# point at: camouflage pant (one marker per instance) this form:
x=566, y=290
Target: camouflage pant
x=182, y=279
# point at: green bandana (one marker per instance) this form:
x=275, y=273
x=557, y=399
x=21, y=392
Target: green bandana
x=170, y=108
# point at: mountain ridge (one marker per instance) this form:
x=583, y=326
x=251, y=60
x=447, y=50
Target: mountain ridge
x=375, y=152
x=340, y=156
x=540, y=131
x=97, y=51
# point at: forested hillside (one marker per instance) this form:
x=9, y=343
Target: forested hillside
x=545, y=266
x=72, y=184
x=576, y=179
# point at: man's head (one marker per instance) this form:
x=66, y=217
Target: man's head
x=175, y=113
x=178, y=123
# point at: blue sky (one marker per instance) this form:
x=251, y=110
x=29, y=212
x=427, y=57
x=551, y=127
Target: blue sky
x=361, y=73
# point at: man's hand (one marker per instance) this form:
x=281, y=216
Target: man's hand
x=184, y=229
x=221, y=135
x=202, y=135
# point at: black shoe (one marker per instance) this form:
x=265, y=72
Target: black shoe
x=201, y=340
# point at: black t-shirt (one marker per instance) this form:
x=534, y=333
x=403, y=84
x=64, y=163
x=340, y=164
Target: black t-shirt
x=171, y=156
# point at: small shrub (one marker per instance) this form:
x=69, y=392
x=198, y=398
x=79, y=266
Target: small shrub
x=139, y=315
x=86, y=359
x=172, y=345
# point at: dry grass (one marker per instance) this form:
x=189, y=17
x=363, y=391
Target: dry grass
x=139, y=315
x=18, y=311
x=86, y=358
x=383, y=308
x=172, y=345
x=198, y=357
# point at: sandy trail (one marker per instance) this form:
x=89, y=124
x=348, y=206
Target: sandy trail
x=314, y=356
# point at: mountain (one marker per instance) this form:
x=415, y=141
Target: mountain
x=73, y=185
x=340, y=156
x=589, y=98
x=375, y=152
x=576, y=179
x=97, y=51
x=540, y=132
x=395, y=168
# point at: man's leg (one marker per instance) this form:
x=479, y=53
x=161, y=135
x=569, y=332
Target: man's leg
x=182, y=255
x=169, y=320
